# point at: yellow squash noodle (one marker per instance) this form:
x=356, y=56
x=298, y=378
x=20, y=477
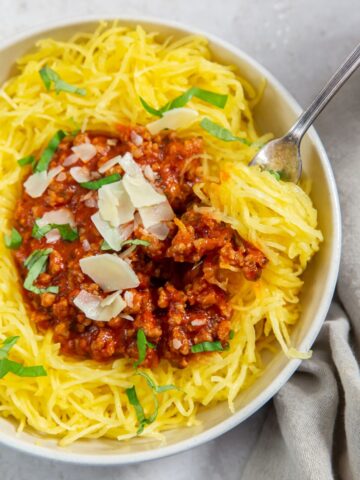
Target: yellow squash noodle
x=116, y=66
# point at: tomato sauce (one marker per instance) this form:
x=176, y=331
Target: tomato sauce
x=181, y=299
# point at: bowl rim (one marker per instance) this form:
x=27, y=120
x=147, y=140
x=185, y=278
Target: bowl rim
x=329, y=286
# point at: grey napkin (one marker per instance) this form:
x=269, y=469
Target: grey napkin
x=312, y=431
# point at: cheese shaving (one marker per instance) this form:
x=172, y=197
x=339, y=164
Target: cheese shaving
x=110, y=272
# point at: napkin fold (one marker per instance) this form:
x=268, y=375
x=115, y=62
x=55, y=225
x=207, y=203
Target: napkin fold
x=312, y=429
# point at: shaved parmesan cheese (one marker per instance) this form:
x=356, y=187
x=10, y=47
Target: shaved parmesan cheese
x=99, y=309
x=155, y=214
x=109, y=164
x=91, y=202
x=109, y=234
x=86, y=245
x=135, y=138
x=129, y=298
x=160, y=231
x=115, y=205
x=53, y=236
x=141, y=193
x=125, y=231
x=112, y=142
x=38, y=182
x=110, y=299
x=70, y=160
x=80, y=174
x=113, y=236
x=62, y=216
x=198, y=323
x=110, y=272
x=85, y=151
x=176, y=344
x=173, y=119
x=127, y=317
x=129, y=165
x=150, y=174
x=61, y=177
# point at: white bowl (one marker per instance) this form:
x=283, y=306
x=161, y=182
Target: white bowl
x=275, y=113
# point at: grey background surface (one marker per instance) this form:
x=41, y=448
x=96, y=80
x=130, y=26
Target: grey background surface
x=301, y=42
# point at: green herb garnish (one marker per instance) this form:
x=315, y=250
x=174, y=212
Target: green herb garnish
x=96, y=184
x=142, y=344
x=16, y=368
x=276, y=174
x=207, y=347
x=231, y=334
x=134, y=401
x=36, y=264
x=49, y=77
x=216, y=99
x=29, y=160
x=14, y=240
x=105, y=246
x=65, y=230
x=49, y=151
x=220, y=132
x=152, y=384
x=135, y=242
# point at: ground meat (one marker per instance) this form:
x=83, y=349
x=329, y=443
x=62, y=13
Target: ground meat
x=181, y=299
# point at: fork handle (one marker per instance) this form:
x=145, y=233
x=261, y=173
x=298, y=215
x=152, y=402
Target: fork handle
x=321, y=100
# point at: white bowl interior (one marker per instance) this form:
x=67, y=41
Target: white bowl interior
x=276, y=112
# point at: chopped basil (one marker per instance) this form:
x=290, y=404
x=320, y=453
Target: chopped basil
x=220, y=132
x=65, y=230
x=49, y=76
x=29, y=160
x=150, y=109
x=49, y=151
x=7, y=366
x=134, y=401
x=231, y=334
x=36, y=264
x=152, y=384
x=276, y=174
x=18, y=369
x=142, y=344
x=136, y=241
x=105, y=246
x=216, y=99
x=7, y=345
x=207, y=347
x=96, y=184
x=14, y=240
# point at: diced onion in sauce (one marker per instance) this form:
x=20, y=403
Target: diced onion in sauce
x=109, y=164
x=85, y=151
x=70, y=160
x=80, y=174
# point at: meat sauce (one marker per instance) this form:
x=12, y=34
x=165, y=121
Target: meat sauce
x=180, y=301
